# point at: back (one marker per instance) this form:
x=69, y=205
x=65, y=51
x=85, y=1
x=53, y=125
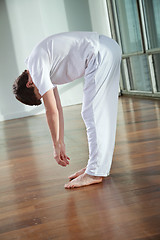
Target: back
x=65, y=56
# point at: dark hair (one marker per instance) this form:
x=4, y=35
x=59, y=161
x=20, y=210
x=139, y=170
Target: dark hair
x=22, y=93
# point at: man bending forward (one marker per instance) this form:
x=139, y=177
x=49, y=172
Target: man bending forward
x=61, y=59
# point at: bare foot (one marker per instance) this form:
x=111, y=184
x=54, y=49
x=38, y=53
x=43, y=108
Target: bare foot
x=83, y=180
x=76, y=174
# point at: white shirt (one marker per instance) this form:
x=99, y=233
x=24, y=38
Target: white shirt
x=61, y=58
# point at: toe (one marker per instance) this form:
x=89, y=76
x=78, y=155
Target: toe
x=71, y=176
x=67, y=186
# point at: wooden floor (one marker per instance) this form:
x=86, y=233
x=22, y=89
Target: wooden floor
x=126, y=206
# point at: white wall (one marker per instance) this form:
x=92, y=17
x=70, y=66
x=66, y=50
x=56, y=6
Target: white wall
x=99, y=17
x=23, y=23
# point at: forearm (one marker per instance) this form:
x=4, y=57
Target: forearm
x=53, y=123
x=61, y=125
x=54, y=115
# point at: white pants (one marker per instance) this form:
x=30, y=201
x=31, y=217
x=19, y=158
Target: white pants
x=100, y=105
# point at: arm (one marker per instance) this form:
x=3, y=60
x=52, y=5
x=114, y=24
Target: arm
x=53, y=119
x=52, y=115
x=61, y=119
x=61, y=126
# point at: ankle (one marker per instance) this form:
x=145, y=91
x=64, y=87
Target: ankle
x=94, y=177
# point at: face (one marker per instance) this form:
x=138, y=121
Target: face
x=30, y=84
x=36, y=92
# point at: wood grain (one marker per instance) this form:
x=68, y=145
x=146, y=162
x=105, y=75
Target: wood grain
x=33, y=202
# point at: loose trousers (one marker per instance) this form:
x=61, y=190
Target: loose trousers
x=100, y=105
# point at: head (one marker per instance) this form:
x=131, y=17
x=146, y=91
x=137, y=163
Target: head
x=25, y=90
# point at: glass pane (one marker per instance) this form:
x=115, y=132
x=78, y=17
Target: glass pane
x=123, y=76
x=140, y=73
x=129, y=26
x=156, y=59
x=152, y=20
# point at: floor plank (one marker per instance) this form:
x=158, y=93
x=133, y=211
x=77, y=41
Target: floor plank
x=34, y=203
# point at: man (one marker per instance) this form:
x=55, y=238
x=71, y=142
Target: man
x=60, y=59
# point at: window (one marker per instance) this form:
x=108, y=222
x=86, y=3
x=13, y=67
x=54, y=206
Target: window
x=135, y=24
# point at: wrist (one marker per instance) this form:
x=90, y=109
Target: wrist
x=56, y=144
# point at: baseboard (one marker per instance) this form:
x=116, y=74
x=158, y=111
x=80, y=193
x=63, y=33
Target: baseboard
x=20, y=115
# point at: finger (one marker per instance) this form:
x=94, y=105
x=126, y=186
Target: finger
x=64, y=158
x=60, y=162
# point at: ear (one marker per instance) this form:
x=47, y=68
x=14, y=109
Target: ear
x=30, y=84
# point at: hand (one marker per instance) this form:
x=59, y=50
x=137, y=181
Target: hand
x=63, y=155
x=60, y=155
